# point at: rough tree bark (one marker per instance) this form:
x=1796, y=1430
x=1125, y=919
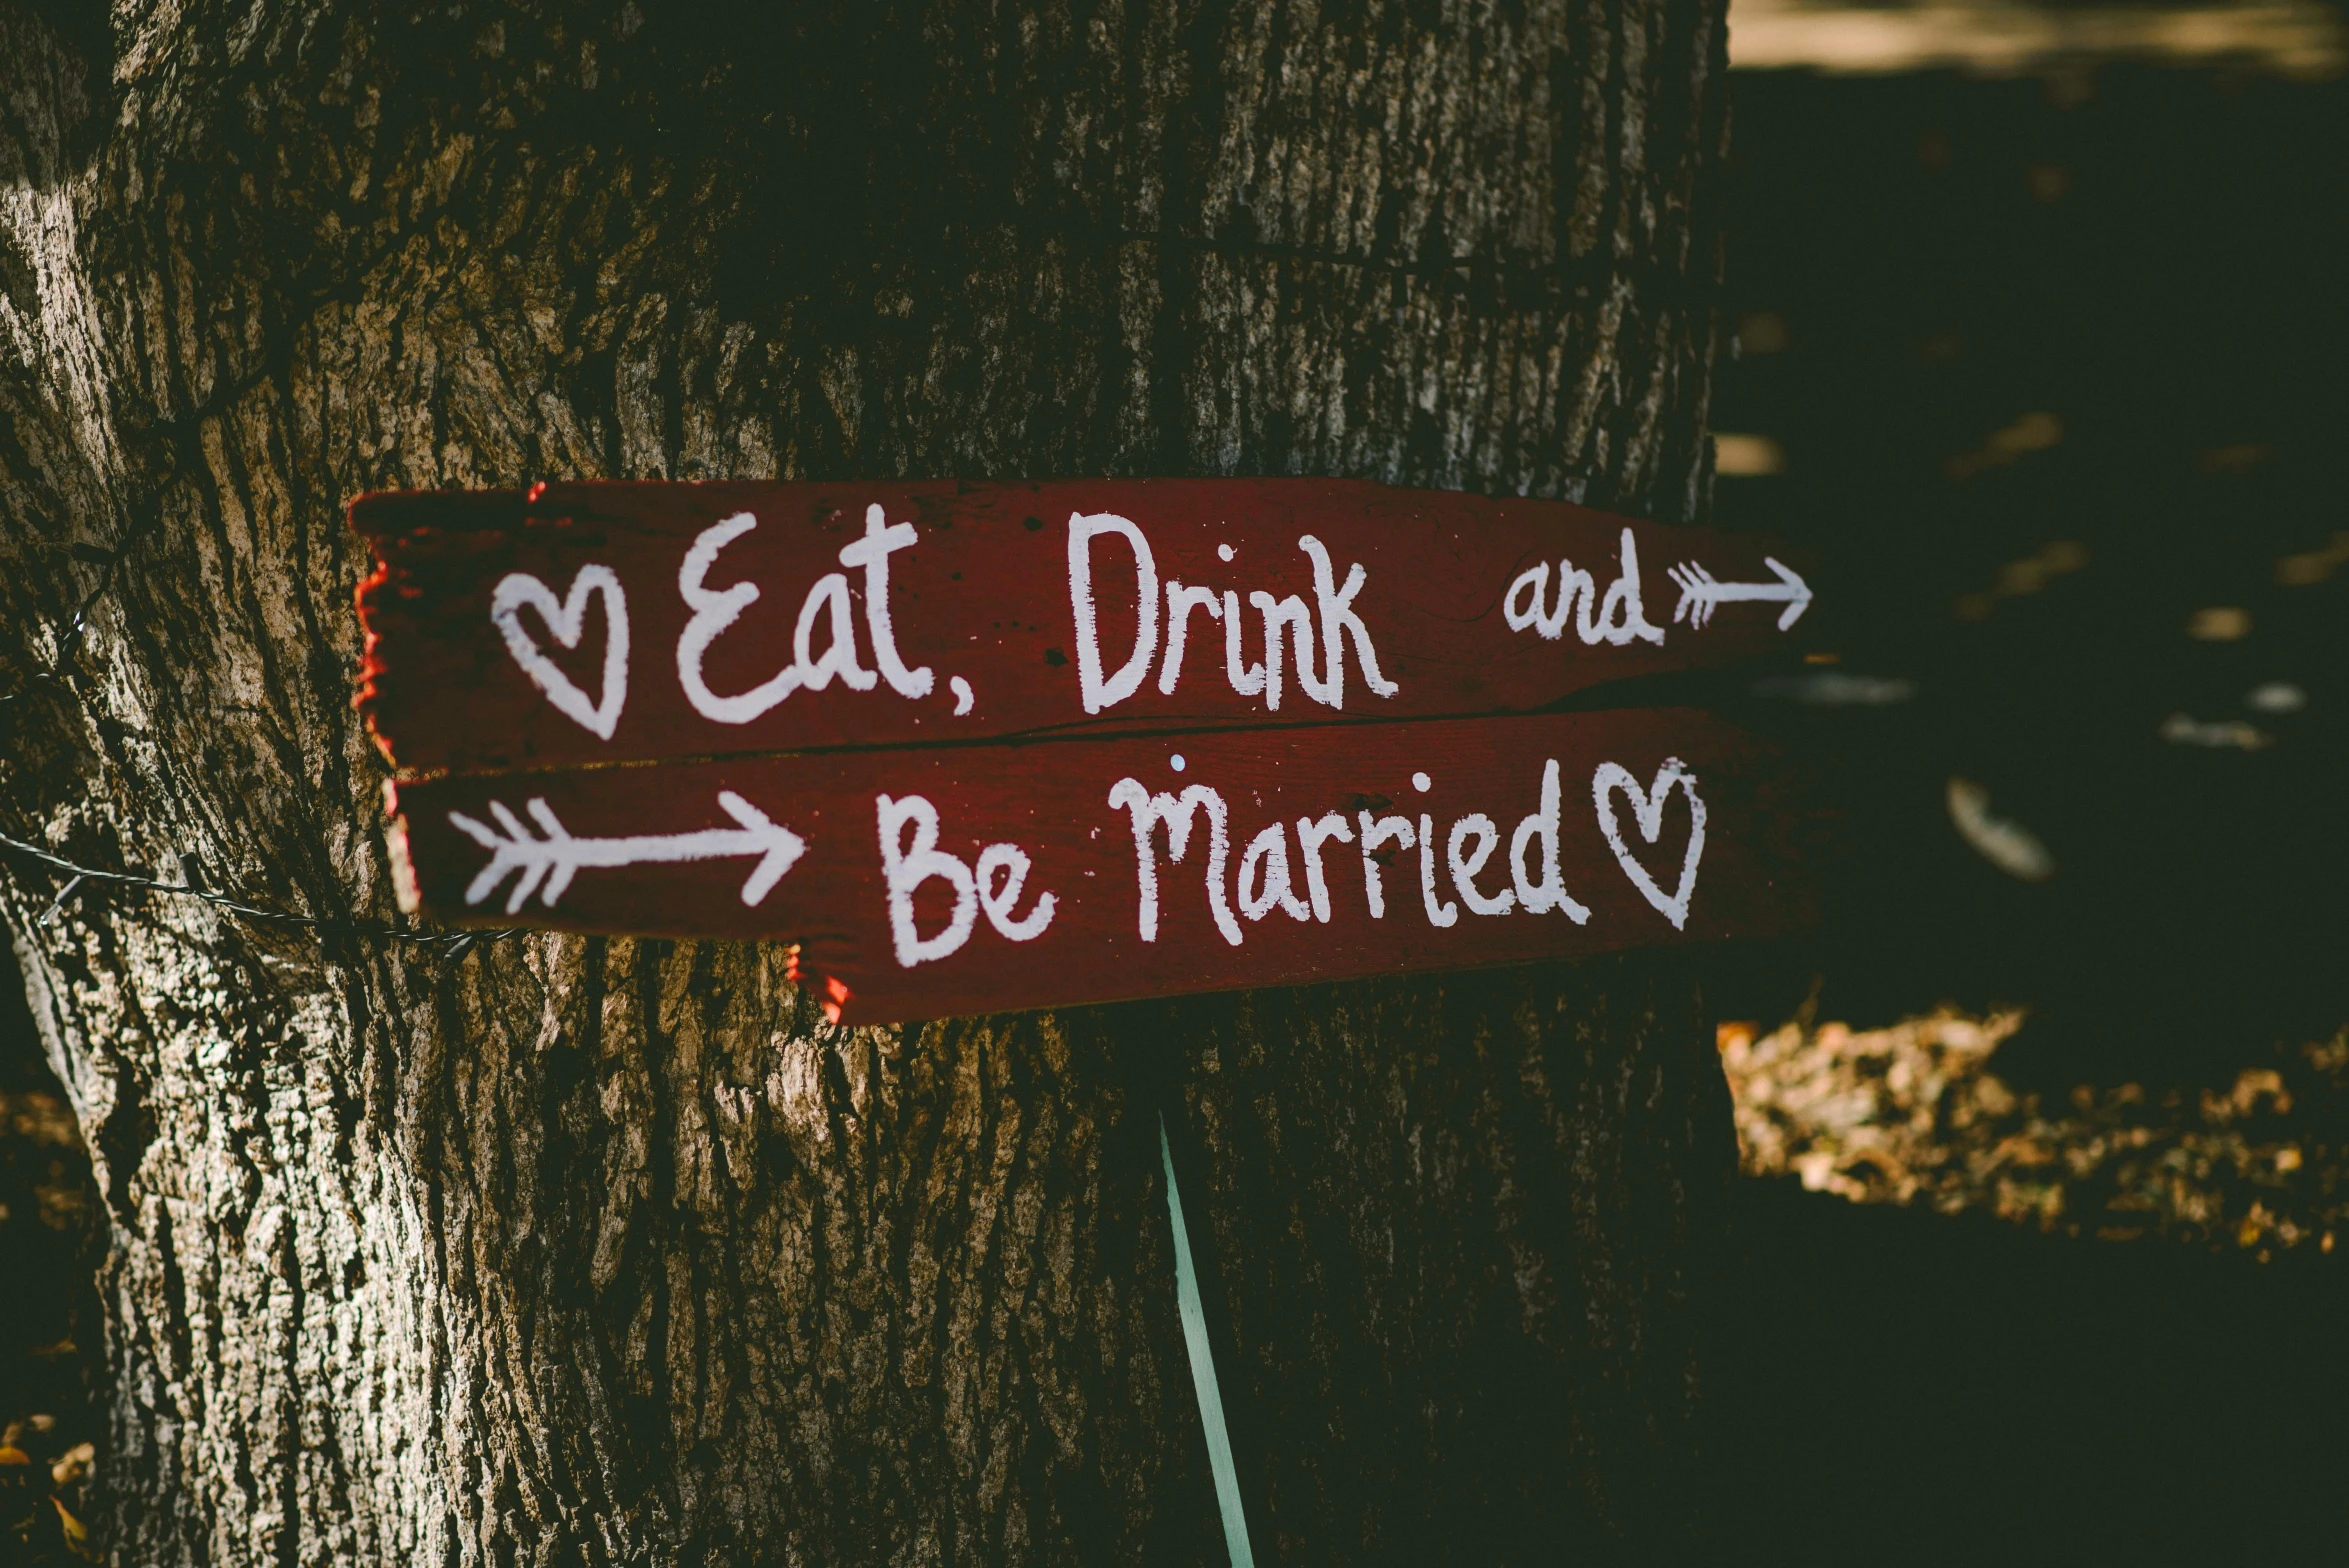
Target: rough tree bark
x=610, y=1251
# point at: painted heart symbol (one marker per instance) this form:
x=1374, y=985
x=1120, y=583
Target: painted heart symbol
x=567, y=619
x=1647, y=808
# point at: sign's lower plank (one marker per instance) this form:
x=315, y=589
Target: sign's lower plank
x=987, y=878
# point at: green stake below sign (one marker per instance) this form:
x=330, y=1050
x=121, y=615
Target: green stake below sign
x=1219, y=1440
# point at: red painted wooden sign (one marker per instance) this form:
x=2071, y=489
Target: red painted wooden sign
x=979, y=878
x=982, y=747
x=623, y=622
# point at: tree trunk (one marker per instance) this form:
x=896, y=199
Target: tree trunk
x=561, y=1250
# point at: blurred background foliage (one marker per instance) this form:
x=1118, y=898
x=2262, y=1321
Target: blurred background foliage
x=2040, y=349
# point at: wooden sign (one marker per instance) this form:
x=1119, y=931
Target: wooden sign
x=919, y=882
x=982, y=747
x=627, y=622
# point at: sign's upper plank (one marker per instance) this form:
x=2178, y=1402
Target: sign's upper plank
x=601, y=622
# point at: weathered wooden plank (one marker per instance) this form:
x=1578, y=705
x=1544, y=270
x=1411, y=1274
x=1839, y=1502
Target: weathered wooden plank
x=933, y=881
x=772, y=617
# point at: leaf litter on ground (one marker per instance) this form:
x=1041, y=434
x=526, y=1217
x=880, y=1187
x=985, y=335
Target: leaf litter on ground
x=1913, y=1115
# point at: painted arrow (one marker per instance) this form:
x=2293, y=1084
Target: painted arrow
x=1701, y=593
x=559, y=856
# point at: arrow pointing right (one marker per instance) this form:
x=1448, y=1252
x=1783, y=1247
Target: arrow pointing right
x=559, y=856
x=1701, y=593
